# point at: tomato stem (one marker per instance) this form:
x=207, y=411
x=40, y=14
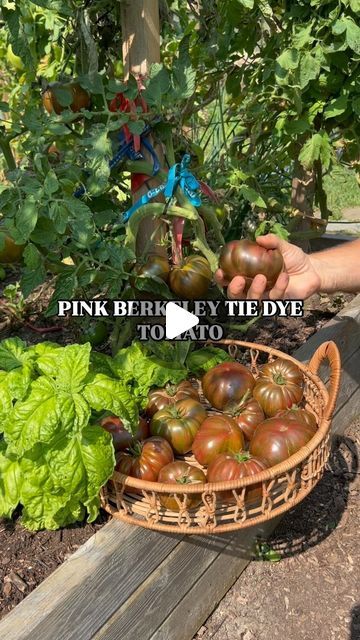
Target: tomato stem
x=279, y=378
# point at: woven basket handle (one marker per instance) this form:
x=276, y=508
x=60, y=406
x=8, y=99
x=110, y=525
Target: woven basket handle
x=328, y=351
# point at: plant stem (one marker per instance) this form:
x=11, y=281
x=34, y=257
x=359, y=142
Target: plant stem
x=8, y=154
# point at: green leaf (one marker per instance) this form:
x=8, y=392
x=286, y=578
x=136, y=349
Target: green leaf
x=286, y=62
x=74, y=363
x=46, y=356
x=356, y=105
x=205, y=359
x=252, y=196
x=355, y=6
x=157, y=86
x=309, y=69
x=10, y=482
x=34, y=420
x=34, y=272
x=317, y=148
x=65, y=288
x=12, y=353
x=353, y=35
x=51, y=183
x=103, y=393
x=336, y=107
x=26, y=218
x=248, y=4
x=5, y=402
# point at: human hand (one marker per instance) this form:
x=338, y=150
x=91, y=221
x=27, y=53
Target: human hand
x=298, y=282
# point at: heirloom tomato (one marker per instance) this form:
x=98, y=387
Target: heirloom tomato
x=217, y=434
x=191, y=280
x=160, y=398
x=279, y=386
x=248, y=416
x=155, y=265
x=10, y=251
x=234, y=466
x=122, y=438
x=145, y=459
x=77, y=98
x=248, y=259
x=277, y=439
x=178, y=423
x=180, y=473
x=227, y=385
x=299, y=415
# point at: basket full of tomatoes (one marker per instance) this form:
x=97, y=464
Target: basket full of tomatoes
x=239, y=447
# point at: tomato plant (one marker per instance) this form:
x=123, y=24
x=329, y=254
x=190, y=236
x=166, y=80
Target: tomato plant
x=276, y=439
x=217, y=434
x=227, y=385
x=145, y=460
x=248, y=259
x=248, y=416
x=160, y=398
x=96, y=332
x=279, y=386
x=122, y=437
x=234, y=466
x=181, y=473
x=191, y=280
x=179, y=423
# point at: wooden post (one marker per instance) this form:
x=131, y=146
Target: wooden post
x=141, y=49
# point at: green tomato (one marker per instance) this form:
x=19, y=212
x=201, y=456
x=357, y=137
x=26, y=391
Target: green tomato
x=96, y=333
x=14, y=61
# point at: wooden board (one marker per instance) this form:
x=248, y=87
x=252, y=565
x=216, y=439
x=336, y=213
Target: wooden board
x=127, y=583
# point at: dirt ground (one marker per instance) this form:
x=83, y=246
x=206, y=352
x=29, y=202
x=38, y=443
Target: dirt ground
x=314, y=591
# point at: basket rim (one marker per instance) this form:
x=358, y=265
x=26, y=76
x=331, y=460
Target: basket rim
x=264, y=476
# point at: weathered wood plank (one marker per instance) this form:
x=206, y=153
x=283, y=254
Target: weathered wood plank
x=155, y=600
x=206, y=591
x=78, y=598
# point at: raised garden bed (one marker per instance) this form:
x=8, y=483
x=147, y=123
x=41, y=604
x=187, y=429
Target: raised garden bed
x=104, y=591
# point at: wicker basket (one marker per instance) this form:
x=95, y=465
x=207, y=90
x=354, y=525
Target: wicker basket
x=283, y=485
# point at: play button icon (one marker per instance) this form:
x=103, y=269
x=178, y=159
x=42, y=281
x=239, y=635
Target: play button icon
x=178, y=320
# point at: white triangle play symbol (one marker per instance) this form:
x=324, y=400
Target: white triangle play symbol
x=178, y=320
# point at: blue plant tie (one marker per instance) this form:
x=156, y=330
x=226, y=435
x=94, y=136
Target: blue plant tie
x=126, y=150
x=178, y=176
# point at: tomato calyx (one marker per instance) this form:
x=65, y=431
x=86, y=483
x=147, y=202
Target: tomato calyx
x=171, y=390
x=236, y=409
x=242, y=456
x=279, y=379
x=136, y=449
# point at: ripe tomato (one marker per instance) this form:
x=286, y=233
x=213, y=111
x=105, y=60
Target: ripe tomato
x=160, y=398
x=180, y=473
x=299, y=415
x=279, y=386
x=145, y=460
x=217, y=434
x=78, y=97
x=122, y=438
x=10, y=252
x=191, y=281
x=154, y=266
x=234, y=466
x=248, y=416
x=179, y=423
x=246, y=258
x=227, y=385
x=277, y=439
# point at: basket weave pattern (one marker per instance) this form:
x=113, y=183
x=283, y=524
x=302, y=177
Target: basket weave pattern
x=280, y=488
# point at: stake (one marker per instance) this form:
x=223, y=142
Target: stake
x=141, y=49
